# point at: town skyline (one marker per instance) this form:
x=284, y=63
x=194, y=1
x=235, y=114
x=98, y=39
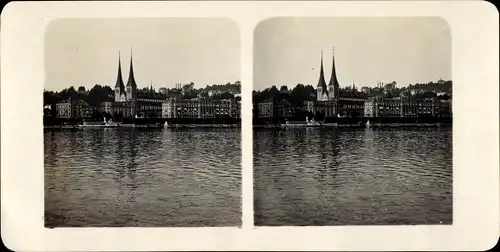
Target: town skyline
x=357, y=85
x=288, y=50
x=144, y=87
x=165, y=52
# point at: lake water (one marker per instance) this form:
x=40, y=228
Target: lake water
x=142, y=177
x=312, y=176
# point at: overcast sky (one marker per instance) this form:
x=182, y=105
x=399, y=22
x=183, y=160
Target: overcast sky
x=367, y=50
x=83, y=52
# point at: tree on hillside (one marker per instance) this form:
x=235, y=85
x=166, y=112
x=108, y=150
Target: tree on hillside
x=444, y=97
x=301, y=93
x=49, y=97
x=428, y=94
x=190, y=94
x=99, y=94
x=391, y=85
x=227, y=95
x=67, y=93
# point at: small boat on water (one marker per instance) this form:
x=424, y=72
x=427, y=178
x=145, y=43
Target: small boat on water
x=368, y=124
x=93, y=124
x=307, y=123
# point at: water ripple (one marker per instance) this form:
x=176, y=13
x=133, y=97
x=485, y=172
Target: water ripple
x=313, y=176
x=134, y=177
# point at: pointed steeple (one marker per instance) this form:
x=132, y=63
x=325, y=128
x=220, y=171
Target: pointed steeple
x=131, y=78
x=333, y=79
x=119, y=79
x=321, y=82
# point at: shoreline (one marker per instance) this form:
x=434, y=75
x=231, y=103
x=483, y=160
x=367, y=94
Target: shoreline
x=171, y=126
x=266, y=126
x=373, y=125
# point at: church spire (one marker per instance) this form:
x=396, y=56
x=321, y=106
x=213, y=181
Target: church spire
x=321, y=82
x=119, y=79
x=333, y=79
x=131, y=78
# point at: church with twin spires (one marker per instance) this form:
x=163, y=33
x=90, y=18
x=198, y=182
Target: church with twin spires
x=331, y=100
x=330, y=92
x=125, y=93
x=131, y=102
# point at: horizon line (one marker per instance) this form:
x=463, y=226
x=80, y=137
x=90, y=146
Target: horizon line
x=357, y=84
x=146, y=86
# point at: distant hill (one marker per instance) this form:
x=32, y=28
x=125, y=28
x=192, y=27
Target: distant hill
x=440, y=86
x=233, y=88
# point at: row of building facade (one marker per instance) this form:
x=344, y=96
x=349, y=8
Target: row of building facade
x=129, y=102
x=331, y=101
x=198, y=108
x=195, y=108
x=371, y=107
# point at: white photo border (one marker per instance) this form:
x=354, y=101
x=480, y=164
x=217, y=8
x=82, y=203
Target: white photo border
x=474, y=29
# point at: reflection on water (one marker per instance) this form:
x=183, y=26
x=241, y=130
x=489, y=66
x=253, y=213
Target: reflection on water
x=312, y=176
x=134, y=177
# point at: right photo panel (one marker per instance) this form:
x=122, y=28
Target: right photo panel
x=352, y=121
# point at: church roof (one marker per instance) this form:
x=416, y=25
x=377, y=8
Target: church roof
x=333, y=78
x=321, y=81
x=119, y=79
x=131, y=78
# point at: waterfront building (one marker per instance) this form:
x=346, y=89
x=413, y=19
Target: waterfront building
x=168, y=108
x=309, y=106
x=107, y=107
x=65, y=109
x=327, y=109
x=149, y=103
x=369, y=108
x=198, y=108
x=428, y=107
x=130, y=102
x=255, y=111
x=405, y=107
x=276, y=109
x=236, y=109
x=209, y=108
x=74, y=108
x=445, y=108
x=351, y=103
x=387, y=107
x=391, y=107
x=266, y=109
x=187, y=108
x=331, y=101
x=284, y=109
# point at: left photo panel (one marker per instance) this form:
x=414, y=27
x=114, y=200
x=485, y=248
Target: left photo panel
x=142, y=123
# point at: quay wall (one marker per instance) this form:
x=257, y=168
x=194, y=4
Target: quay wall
x=361, y=121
